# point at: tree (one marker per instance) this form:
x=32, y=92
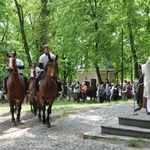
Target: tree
x=83, y=33
x=24, y=39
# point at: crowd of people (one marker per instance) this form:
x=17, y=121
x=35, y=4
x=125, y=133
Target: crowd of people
x=76, y=90
x=106, y=91
x=112, y=92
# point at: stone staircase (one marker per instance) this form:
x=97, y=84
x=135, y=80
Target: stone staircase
x=124, y=127
x=132, y=125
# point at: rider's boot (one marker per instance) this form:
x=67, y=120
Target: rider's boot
x=5, y=86
x=59, y=86
x=37, y=79
x=26, y=84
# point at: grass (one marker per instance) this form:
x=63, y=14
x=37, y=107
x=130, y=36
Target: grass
x=91, y=137
x=133, y=143
x=63, y=106
x=114, y=138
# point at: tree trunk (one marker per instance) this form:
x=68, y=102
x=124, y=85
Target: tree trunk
x=21, y=21
x=98, y=74
x=44, y=23
x=131, y=38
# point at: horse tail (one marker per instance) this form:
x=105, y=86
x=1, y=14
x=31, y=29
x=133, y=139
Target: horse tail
x=140, y=107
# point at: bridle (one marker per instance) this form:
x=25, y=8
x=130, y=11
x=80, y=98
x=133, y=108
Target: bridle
x=10, y=65
x=32, y=73
x=54, y=65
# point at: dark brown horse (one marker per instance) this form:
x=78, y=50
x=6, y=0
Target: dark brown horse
x=31, y=97
x=48, y=90
x=15, y=87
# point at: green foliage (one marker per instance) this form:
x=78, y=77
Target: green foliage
x=83, y=32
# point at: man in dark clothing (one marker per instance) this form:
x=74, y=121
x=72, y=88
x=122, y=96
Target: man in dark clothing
x=140, y=87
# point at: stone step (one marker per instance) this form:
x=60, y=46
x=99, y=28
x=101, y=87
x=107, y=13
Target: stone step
x=136, y=122
x=134, y=125
x=124, y=130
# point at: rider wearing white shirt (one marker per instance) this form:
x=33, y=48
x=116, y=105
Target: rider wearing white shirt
x=43, y=60
x=20, y=66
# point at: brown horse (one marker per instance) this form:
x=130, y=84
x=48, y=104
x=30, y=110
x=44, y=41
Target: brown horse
x=15, y=87
x=32, y=98
x=48, y=90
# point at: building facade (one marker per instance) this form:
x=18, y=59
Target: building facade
x=90, y=77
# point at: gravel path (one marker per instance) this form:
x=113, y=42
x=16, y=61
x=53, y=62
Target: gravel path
x=66, y=133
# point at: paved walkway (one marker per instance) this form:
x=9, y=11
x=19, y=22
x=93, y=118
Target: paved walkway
x=66, y=133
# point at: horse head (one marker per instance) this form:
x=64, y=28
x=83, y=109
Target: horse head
x=11, y=61
x=32, y=73
x=52, y=66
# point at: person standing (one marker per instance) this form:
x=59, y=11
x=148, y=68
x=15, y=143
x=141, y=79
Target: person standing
x=76, y=92
x=135, y=88
x=129, y=90
x=146, y=92
x=101, y=90
x=140, y=86
x=84, y=91
x=107, y=92
x=124, y=91
x=111, y=98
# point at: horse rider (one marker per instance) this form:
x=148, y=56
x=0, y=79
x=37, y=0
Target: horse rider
x=20, y=66
x=43, y=60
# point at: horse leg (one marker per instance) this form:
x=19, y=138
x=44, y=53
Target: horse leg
x=39, y=114
x=12, y=114
x=19, y=111
x=49, y=110
x=43, y=109
x=34, y=107
x=31, y=104
x=48, y=113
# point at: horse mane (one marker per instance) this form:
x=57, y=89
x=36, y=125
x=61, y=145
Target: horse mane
x=49, y=57
x=50, y=60
x=43, y=76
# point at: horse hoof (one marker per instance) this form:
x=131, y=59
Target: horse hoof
x=48, y=125
x=13, y=123
x=18, y=119
x=44, y=122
